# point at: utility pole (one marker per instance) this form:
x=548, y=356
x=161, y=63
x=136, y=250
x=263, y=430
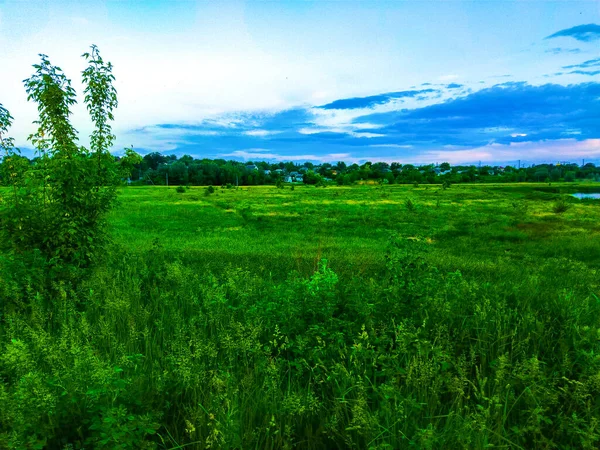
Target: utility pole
x=519, y=164
x=167, y=175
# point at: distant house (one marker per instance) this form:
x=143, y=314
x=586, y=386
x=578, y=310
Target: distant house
x=251, y=167
x=267, y=172
x=288, y=179
x=279, y=171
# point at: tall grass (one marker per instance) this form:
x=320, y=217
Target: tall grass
x=439, y=345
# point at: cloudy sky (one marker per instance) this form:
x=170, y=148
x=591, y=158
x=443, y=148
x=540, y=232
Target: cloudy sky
x=419, y=81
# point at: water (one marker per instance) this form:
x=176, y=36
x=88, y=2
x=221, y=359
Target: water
x=586, y=195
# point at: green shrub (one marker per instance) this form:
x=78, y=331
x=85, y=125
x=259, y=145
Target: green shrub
x=410, y=205
x=180, y=189
x=560, y=206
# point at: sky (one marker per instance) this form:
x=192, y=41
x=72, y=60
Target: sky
x=409, y=81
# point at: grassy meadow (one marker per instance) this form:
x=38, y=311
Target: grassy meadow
x=472, y=228
x=362, y=317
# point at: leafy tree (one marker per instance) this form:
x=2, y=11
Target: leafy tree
x=541, y=174
x=128, y=162
x=311, y=177
x=154, y=160
x=60, y=207
x=445, y=166
x=186, y=159
x=13, y=165
x=177, y=173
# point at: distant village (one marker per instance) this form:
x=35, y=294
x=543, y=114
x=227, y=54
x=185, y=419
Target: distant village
x=158, y=169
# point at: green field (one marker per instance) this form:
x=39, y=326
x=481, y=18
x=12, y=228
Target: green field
x=341, y=317
x=267, y=230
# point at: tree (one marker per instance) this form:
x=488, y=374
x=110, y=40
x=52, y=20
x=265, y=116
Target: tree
x=186, y=159
x=154, y=160
x=12, y=167
x=128, y=162
x=62, y=202
x=311, y=177
x=444, y=166
x=541, y=174
x=570, y=176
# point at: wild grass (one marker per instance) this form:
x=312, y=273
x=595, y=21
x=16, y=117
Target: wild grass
x=315, y=318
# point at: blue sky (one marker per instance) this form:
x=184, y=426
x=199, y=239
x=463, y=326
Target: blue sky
x=418, y=82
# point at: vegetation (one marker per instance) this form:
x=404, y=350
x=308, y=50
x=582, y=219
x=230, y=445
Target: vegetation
x=155, y=169
x=385, y=316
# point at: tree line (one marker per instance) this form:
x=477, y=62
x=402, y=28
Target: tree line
x=157, y=169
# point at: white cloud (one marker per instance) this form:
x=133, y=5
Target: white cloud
x=261, y=133
x=390, y=146
x=562, y=149
x=253, y=154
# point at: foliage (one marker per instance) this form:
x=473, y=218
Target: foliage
x=128, y=162
x=160, y=354
x=59, y=207
x=560, y=206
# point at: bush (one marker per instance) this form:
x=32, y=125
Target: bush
x=560, y=207
x=180, y=189
x=410, y=205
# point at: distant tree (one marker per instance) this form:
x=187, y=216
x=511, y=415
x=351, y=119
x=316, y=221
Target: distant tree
x=485, y=170
x=340, y=166
x=395, y=167
x=570, y=176
x=128, y=162
x=311, y=177
x=178, y=173
x=445, y=166
x=541, y=174
x=154, y=160
x=186, y=159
